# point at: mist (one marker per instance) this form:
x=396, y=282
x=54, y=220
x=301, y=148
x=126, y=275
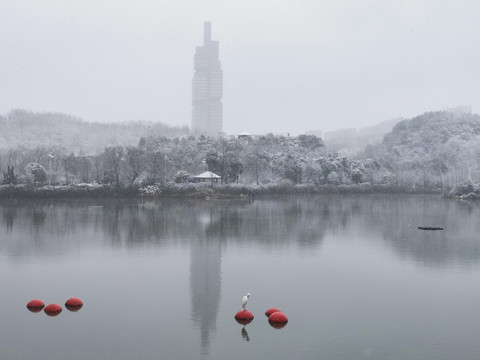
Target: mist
x=289, y=67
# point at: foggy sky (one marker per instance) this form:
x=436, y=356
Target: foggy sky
x=289, y=66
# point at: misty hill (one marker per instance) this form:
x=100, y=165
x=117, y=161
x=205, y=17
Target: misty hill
x=431, y=132
x=437, y=147
x=20, y=127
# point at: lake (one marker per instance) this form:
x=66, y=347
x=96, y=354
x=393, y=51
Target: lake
x=164, y=279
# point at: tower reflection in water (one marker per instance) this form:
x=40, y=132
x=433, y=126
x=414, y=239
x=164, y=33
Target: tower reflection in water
x=205, y=284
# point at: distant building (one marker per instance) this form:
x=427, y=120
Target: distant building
x=348, y=135
x=317, y=133
x=207, y=87
x=460, y=110
x=347, y=141
x=244, y=135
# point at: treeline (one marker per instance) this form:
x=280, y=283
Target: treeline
x=432, y=152
x=265, y=159
x=159, y=159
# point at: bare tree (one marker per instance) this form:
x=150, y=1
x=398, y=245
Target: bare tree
x=113, y=157
x=154, y=161
x=135, y=162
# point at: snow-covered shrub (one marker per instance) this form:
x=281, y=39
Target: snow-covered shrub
x=470, y=196
x=356, y=175
x=88, y=186
x=333, y=178
x=462, y=188
x=181, y=177
x=149, y=191
x=35, y=173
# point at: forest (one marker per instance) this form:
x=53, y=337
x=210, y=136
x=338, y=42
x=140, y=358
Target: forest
x=431, y=152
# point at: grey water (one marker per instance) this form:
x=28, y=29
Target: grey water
x=164, y=279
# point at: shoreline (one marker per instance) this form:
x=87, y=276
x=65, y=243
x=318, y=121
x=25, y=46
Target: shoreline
x=198, y=191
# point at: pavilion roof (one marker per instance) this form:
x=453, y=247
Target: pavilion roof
x=208, y=175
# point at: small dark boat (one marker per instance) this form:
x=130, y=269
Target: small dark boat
x=429, y=228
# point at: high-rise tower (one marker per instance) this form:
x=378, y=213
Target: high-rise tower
x=207, y=87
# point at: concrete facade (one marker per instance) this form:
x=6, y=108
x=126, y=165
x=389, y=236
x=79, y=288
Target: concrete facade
x=207, y=87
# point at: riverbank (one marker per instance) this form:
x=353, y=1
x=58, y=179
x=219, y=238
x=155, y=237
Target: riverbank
x=201, y=190
x=465, y=191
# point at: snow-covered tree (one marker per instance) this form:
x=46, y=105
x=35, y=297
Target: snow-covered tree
x=35, y=173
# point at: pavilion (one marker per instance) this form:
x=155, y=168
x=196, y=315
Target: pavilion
x=207, y=175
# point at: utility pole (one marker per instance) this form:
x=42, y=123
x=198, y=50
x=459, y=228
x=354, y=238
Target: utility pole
x=50, y=157
x=165, y=171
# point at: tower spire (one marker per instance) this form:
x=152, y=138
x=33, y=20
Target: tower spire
x=207, y=32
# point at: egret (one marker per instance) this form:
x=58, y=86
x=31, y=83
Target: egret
x=245, y=300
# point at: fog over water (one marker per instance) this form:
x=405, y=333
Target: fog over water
x=289, y=66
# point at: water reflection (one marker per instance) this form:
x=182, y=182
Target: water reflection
x=296, y=226
x=245, y=334
x=49, y=227
x=305, y=222
x=457, y=244
x=205, y=286
x=9, y=215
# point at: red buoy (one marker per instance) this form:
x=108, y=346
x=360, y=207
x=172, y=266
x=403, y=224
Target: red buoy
x=243, y=321
x=271, y=311
x=244, y=316
x=74, y=301
x=74, y=304
x=35, y=305
x=278, y=318
x=277, y=325
x=52, y=309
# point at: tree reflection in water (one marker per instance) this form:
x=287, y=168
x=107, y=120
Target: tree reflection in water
x=302, y=221
x=207, y=227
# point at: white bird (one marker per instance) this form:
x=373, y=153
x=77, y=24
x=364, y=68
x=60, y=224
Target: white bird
x=245, y=300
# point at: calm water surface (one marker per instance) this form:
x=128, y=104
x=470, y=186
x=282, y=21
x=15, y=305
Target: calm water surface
x=163, y=280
